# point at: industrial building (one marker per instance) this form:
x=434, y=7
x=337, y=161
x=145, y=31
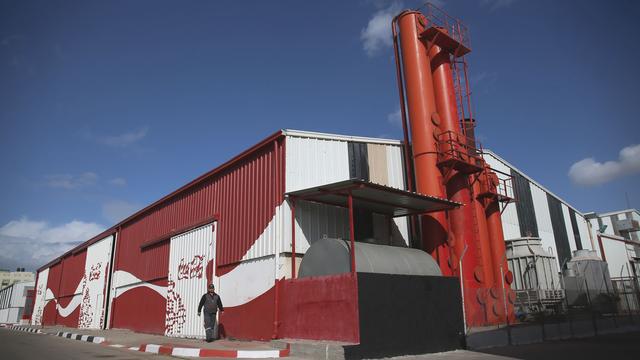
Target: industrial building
x=8, y=278
x=618, y=236
x=540, y=213
x=301, y=231
x=16, y=302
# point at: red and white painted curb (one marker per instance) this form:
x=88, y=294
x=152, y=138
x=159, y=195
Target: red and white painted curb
x=180, y=351
x=196, y=352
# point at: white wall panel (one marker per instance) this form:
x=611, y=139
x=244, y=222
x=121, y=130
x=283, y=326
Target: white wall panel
x=189, y=254
x=583, y=229
x=316, y=221
x=247, y=281
x=395, y=162
x=96, y=275
x=543, y=218
x=510, y=224
x=617, y=256
x=312, y=162
x=567, y=224
x=40, y=301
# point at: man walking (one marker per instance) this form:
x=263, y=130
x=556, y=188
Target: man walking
x=211, y=303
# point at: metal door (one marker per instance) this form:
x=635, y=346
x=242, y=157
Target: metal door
x=189, y=255
x=96, y=275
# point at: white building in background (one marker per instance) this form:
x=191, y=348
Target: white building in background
x=13, y=300
x=8, y=278
x=622, y=245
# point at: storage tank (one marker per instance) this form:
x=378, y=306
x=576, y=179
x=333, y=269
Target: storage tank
x=536, y=279
x=588, y=283
x=331, y=256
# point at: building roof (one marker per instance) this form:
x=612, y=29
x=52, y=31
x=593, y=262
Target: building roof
x=319, y=135
x=616, y=212
x=378, y=198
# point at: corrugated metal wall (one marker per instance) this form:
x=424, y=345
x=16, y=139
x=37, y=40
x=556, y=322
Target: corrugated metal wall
x=244, y=197
x=525, y=206
x=543, y=220
x=510, y=223
x=312, y=162
x=566, y=215
x=244, y=200
x=559, y=230
x=316, y=161
x=576, y=231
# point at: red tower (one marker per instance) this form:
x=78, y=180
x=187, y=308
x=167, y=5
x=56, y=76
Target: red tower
x=446, y=159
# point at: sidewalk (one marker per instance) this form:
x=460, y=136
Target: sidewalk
x=172, y=346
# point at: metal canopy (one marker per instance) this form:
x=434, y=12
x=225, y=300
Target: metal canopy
x=377, y=198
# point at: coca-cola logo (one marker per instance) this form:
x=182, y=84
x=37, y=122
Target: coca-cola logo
x=94, y=274
x=192, y=269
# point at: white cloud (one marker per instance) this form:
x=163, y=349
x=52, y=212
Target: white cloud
x=31, y=244
x=395, y=118
x=589, y=172
x=125, y=139
x=377, y=35
x=118, y=181
x=69, y=182
x=117, y=210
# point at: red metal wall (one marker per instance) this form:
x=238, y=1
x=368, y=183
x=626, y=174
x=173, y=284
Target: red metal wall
x=242, y=197
x=324, y=308
x=53, y=284
x=72, y=273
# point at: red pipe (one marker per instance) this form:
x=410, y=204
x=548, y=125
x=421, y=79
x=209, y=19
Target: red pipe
x=352, y=234
x=458, y=187
x=403, y=110
x=604, y=258
x=293, y=238
x=465, y=230
x=422, y=110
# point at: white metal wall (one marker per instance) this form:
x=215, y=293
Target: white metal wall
x=247, y=281
x=317, y=221
x=312, y=162
x=96, y=275
x=543, y=218
x=566, y=215
x=583, y=229
x=189, y=255
x=40, y=300
x=316, y=161
x=510, y=223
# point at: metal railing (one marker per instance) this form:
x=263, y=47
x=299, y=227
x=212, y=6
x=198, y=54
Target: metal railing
x=439, y=18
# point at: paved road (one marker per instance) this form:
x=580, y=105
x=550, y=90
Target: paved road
x=21, y=345
x=604, y=347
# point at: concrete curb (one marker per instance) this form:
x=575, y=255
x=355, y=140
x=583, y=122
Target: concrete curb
x=26, y=329
x=87, y=338
x=197, y=352
x=179, y=351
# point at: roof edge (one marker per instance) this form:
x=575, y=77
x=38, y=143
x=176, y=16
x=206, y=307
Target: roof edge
x=502, y=160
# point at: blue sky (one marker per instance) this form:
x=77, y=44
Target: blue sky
x=106, y=106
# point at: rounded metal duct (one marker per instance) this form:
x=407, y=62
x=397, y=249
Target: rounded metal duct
x=331, y=256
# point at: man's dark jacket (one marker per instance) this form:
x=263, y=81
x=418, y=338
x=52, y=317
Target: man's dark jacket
x=211, y=303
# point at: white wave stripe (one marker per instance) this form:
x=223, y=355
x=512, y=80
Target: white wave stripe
x=73, y=304
x=125, y=281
